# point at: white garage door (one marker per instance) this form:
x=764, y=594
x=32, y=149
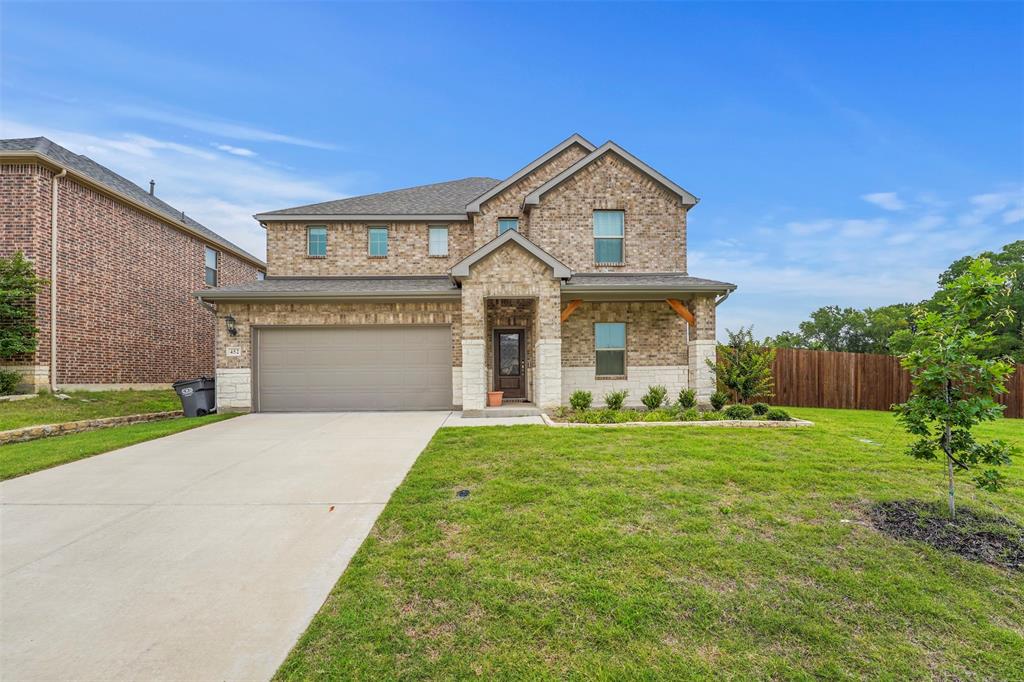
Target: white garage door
x=311, y=369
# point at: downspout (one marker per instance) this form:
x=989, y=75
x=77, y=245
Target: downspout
x=719, y=301
x=53, y=281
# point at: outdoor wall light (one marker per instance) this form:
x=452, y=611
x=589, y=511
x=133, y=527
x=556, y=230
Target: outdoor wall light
x=230, y=322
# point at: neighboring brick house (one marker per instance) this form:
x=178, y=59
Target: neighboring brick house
x=127, y=265
x=570, y=274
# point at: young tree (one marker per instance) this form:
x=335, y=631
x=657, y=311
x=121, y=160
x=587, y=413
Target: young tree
x=18, y=288
x=744, y=366
x=954, y=382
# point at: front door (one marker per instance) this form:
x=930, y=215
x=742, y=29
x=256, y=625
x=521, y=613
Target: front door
x=509, y=363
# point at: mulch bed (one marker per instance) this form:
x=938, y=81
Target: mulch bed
x=974, y=535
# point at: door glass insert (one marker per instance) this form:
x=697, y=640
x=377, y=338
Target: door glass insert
x=508, y=355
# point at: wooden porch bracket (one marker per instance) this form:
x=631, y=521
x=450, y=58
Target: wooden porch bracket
x=682, y=310
x=571, y=308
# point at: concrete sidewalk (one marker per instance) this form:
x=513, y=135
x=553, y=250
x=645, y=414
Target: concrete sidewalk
x=199, y=556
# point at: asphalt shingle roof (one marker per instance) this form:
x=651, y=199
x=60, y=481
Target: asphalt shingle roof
x=337, y=286
x=108, y=178
x=641, y=280
x=441, y=198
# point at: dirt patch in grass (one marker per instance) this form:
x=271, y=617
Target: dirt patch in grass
x=976, y=536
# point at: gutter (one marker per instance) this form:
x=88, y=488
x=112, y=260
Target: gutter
x=326, y=295
x=361, y=217
x=53, y=280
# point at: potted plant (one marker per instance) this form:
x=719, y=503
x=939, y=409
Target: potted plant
x=494, y=398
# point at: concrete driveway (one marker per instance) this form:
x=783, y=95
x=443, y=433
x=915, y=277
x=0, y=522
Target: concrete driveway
x=200, y=556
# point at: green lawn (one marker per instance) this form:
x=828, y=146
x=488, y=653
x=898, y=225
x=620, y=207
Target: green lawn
x=18, y=459
x=47, y=409
x=668, y=553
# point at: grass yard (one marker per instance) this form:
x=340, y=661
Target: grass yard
x=668, y=553
x=18, y=459
x=46, y=409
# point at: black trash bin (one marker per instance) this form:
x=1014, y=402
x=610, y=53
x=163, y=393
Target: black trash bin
x=197, y=396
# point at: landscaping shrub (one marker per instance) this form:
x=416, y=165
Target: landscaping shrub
x=655, y=397
x=777, y=414
x=687, y=398
x=659, y=416
x=615, y=399
x=760, y=409
x=710, y=416
x=739, y=412
x=689, y=415
x=581, y=400
x=718, y=400
x=9, y=380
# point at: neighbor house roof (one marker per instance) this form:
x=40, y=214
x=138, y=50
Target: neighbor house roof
x=417, y=286
x=439, y=201
x=92, y=172
x=534, y=197
x=559, y=269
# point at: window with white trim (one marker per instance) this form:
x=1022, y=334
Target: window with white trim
x=377, y=240
x=609, y=228
x=316, y=241
x=437, y=237
x=610, y=348
x=210, y=258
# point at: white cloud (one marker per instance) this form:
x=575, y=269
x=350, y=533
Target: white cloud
x=237, y=151
x=1007, y=205
x=220, y=190
x=890, y=201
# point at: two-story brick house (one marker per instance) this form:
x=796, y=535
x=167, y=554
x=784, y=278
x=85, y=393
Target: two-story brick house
x=569, y=274
x=121, y=266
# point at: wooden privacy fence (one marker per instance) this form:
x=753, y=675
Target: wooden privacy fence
x=859, y=381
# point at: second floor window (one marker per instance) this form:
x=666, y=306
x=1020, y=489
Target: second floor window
x=610, y=347
x=211, y=267
x=316, y=242
x=506, y=224
x=609, y=228
x=377, y=238
x=438, y=238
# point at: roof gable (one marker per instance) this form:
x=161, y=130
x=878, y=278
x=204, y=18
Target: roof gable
x=559, y=269
x=534, y=197
x=474, y=205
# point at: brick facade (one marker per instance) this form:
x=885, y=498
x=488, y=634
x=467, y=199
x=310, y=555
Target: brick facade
x=125, y=278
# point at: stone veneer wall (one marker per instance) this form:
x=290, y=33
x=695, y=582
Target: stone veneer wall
x=510, y=273
x=655, y=219
x=702, y=347
x=234, y=375
x=348, y=249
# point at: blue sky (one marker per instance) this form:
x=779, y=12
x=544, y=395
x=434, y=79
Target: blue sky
x=843, y=153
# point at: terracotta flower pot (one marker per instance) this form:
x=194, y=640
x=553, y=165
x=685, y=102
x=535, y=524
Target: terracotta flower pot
x=494, y=398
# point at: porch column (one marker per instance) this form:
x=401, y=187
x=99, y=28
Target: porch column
x=547, y=389
x=702, y=348
x=474, y=369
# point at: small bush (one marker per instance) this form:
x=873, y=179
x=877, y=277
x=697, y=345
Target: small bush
x=615, y=399
x=687, y=398
x=690, y=415
x=9, y=380
x=581, y=400
x=561, y=412
x=778, y=415
x=739, y=412
x=760, y=409
x=718, y=400
x=655, y=397
x=710, y=416
x=659, y=416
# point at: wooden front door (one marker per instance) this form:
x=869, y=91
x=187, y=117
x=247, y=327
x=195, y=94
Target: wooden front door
x=510, y=362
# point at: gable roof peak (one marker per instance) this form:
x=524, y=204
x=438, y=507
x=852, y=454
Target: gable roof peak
x=559, y=270
x=474, y=205
x=534, y=197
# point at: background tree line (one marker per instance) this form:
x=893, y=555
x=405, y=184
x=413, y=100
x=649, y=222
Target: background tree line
x=889, y=329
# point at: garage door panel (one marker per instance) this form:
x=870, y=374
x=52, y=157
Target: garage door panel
x=354, y=368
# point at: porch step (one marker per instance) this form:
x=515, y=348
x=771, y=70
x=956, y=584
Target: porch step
x=513, y=410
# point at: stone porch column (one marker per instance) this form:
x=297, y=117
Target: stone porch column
x=702, y=348
x=547, y=389
x=474, y=368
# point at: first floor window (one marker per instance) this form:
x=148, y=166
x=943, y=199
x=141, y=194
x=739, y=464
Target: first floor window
x=378, y=240
x=316, y=242
x=610, y=345
x=438, y=238
x=211, y=267
x=506, y=224
x=609, y=227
